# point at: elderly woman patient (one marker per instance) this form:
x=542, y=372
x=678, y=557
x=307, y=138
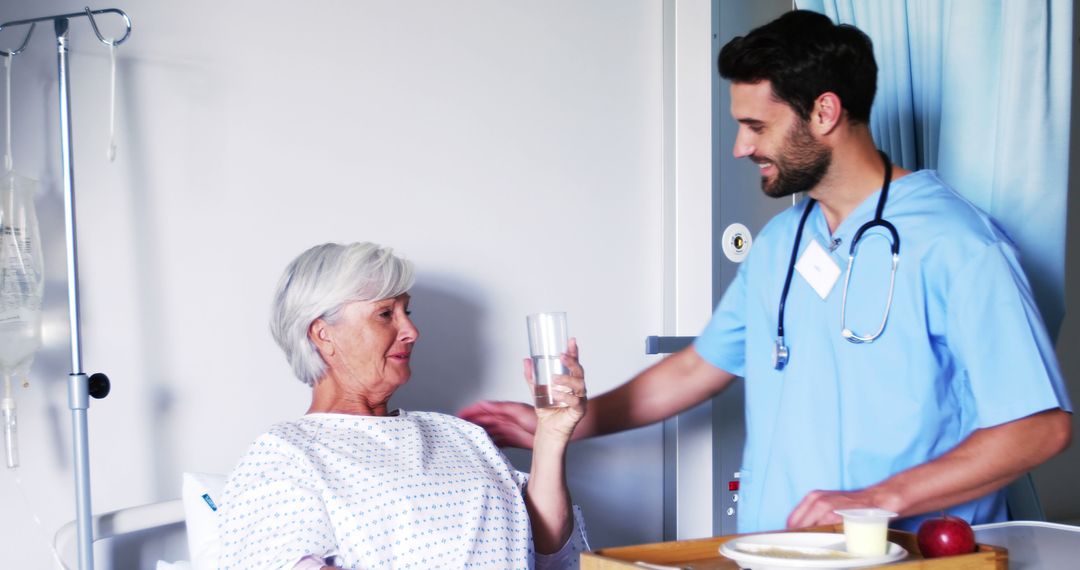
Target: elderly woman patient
x=354, y=484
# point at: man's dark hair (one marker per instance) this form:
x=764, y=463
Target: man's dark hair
x=804, y=54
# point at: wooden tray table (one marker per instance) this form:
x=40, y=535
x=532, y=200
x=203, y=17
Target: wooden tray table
x=704, y=554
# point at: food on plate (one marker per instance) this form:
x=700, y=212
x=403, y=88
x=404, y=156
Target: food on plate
x=807, y=553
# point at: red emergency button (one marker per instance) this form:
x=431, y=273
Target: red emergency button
x=732, y=485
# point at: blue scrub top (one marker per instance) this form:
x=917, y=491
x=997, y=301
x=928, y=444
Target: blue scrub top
x=964, y=348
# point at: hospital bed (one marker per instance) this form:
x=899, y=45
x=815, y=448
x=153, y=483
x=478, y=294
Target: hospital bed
x=178, y=534
x=135, y=537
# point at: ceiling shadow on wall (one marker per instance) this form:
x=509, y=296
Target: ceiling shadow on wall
x=148, y=292
x=448, y=362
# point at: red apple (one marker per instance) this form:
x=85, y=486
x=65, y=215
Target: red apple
x=945, y=536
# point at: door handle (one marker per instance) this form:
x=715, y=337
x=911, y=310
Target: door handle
x=666, y=344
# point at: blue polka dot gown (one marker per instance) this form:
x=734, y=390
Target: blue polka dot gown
x=417, y=490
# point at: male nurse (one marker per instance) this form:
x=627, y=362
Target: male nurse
x=916, y=388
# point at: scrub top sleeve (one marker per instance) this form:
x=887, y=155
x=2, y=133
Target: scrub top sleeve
x=723, y=342
x=998, y=337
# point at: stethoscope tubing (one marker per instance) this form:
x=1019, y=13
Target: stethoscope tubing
x=791, y=266
x=781, y=352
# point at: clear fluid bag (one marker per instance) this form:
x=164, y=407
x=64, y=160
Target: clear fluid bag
x=21, y=287
x=21, y=277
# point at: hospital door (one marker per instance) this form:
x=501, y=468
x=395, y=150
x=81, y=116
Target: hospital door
x=703, y=446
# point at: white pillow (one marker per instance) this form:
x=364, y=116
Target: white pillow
x=202, y=496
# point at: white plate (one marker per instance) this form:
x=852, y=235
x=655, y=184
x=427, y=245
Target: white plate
x=801, y=550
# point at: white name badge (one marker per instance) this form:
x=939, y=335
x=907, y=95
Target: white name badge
x=818, y=269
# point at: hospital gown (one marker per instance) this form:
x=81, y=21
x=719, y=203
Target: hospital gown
x=964, y=348
x=413, y=490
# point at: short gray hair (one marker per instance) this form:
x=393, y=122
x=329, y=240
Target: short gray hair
x=322, y=280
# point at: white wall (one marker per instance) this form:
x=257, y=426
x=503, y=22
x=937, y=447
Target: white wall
x=511, y=149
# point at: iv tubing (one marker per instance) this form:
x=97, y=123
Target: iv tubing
x=111, y=151
x=9, y=62
x=11, y=433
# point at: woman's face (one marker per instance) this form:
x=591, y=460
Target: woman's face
x=370, y=344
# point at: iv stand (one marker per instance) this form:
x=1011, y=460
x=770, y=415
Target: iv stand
x=80, y=386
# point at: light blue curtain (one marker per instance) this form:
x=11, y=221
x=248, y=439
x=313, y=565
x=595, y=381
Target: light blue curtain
x=980, y=91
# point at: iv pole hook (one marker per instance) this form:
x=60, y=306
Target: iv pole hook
x=97, y=32
x=19, y=49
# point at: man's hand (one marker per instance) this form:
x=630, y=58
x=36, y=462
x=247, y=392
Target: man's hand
x=817, y=507
x=986, y=461
x=509, y=424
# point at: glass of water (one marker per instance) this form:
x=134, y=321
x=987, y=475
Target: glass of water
x=547, y=343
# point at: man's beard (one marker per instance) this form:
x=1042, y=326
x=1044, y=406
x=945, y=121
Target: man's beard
x=801, y=165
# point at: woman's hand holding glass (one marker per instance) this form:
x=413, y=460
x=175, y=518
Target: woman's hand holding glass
x=546, y=495
x=514, y=424
x=568, y=393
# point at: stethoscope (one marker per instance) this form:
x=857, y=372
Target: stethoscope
x=780, y=350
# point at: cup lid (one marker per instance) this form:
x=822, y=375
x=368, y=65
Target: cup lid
x=870, y=514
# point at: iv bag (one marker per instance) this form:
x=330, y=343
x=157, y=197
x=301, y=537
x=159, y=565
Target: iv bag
x=21, y=278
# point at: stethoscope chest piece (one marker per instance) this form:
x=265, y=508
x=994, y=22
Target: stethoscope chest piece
x=779, y=354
